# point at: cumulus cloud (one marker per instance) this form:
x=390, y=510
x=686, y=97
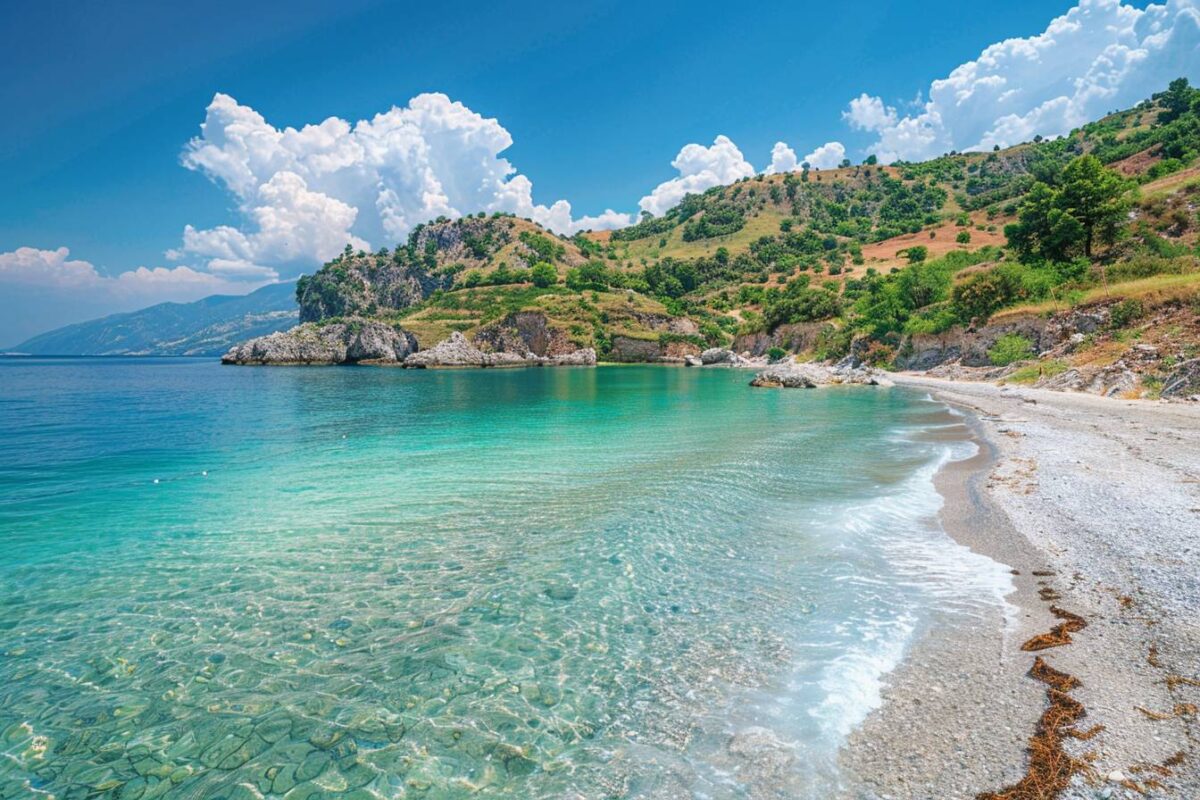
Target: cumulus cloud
x=699, y=168
x=55, y=269
x=1100, y=56
x=827, y=156
x=305, y=193
x=783, y=159
x=869, y=114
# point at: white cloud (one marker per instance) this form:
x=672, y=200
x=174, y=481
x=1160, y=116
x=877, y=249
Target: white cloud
x=305, y=193
x=1100, y=56
x=827, y=156
x=783, y=159
x=869, y=113
x=699, y=168
x=55, y=269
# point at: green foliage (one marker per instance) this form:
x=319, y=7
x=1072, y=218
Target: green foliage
x=776, y=353
x=1125, y=312
x=1009, y=348
x=593, y=275
x=1057, y=223
x=963, y=237
x=545, y=248
x=543, y=275
x=1035, y=372
x=718, y=221
x=916, y=254
x=1177, y=100
x=1044, y=230
x=981, y=295
x=1096, y=197
x=798, y=303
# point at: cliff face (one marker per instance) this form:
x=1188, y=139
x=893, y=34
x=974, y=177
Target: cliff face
x=364, y=286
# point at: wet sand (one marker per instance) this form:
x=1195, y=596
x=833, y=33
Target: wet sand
x=1100, y=498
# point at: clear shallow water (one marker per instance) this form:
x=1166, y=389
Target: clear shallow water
x=619, y=582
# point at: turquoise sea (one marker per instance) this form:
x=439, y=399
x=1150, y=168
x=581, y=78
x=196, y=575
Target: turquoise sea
x=222, y=582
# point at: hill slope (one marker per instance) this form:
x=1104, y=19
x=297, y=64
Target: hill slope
x=207, y=327
x=897, y=265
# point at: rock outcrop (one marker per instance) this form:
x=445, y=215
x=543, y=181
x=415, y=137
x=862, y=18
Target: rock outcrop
x=795, y=337
x=812, y=375
x=525, y=332
x=458, y=351
x=355, y=341
x=663, y=350
x=1184, y=380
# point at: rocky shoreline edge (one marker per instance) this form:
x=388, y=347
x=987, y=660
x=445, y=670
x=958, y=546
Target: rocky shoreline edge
x=523, y=340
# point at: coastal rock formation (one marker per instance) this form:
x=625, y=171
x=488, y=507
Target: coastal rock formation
x=525, y=332
x=812, y=375
x=795, y=337
x=662, y=350
x=458, y=351
x=354, y=341
x=719, y=355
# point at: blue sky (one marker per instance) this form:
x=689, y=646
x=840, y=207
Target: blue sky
x=598, y=99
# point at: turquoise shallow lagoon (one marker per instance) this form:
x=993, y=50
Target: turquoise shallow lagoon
x=355, y=582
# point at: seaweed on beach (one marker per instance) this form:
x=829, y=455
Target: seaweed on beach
x=1050, y=765
x=1058, y=635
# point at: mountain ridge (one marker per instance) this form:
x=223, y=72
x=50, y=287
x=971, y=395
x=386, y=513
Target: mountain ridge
x=204, y=327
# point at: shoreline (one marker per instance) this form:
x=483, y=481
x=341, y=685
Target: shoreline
x=958, y=713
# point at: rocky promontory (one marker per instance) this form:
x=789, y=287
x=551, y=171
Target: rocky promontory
x=520, y=340
x=354, y=341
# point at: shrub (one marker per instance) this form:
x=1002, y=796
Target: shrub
x=776, y=353
x=1009, y=348
x=1125, y=312
x=879, y=354
x=964, y=237
x=543, y=275
x=981, y=295
x=1035, y=372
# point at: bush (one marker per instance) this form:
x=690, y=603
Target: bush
x=981, y=295
x=543, y=275
x=964, y=237
x=879, y=354
x=1009, y=348
x=776, y=353
x=1125, y=312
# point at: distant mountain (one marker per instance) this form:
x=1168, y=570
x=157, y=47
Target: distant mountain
x=207, y=327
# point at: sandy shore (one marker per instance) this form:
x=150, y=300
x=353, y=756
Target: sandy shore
x=1095, y=504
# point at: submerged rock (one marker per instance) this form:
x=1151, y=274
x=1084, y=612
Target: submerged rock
x=812, y=375
x=354, y=341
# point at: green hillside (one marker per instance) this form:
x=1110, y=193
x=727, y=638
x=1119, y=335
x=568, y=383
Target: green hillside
x=867, y=252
